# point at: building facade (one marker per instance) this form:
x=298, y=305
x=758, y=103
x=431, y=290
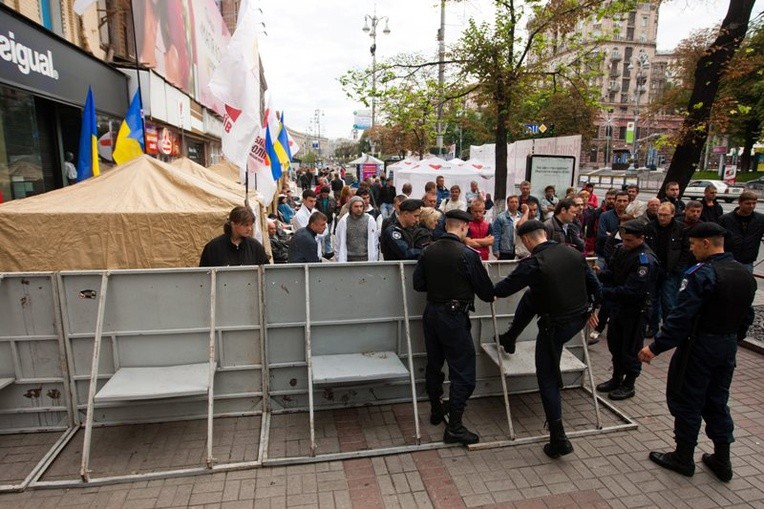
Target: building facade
x=50, y=56
x=633, y=74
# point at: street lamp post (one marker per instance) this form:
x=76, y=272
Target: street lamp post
x=608, y=135
x=643, y=64
x=370, y=27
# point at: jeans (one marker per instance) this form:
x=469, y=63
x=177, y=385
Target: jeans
x=386, y=209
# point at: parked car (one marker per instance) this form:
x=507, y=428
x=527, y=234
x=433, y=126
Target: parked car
x=724, y=191
x=757, y=184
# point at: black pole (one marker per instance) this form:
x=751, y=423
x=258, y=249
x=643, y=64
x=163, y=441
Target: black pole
x=137, y=66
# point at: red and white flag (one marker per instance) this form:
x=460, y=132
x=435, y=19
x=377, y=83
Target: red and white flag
x=236, y=82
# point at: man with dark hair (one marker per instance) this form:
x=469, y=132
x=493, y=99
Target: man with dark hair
x=745, y=228
x=405, y=239
x=451, y=274
x=607, y=231
x=563, y=291
x=236, y=246
x=672, y=196
x=526, y=198
x=712, y=211
x=629, y=282
x=636, y=207
x=503, y=229
x=406, y=189
x=441, y=189
x=561, y=228
x=337, y=185
x=368, y=207
x=386, y=196
x=713, y=313
x=327, y=205
x=304, y=246
x=692, y=214
x=301, y=217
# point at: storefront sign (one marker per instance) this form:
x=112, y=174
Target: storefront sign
x=368, y=170
x=45, y=65
x=152, y=138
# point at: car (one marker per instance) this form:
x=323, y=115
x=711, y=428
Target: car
x=757, y=184
x=696, y=188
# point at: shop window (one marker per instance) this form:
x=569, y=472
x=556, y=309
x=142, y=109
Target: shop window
x=21, y=172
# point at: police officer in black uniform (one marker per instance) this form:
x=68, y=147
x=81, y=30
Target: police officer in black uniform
x=404, y=239
x=451, y=273
x=563, y=293
x=712, y=315
x=628, y=286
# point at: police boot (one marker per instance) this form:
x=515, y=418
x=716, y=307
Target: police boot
x=626, y=390
x=719, y=462
x=558, y=445
x=456, y=432
x=611, y=384
x=679, y=460
x=438, y=412
x=508, y=341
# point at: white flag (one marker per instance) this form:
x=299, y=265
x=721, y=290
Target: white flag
x=260, y=174
x=236, y=82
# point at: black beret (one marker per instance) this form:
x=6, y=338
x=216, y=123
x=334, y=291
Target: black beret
x=410, y=205
x=458, y=214
x=705, y=230
x=530, y=226
x=634, y=227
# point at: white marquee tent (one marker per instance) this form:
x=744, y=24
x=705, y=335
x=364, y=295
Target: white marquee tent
x=454, y=172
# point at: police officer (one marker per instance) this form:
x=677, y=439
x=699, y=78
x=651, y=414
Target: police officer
x=451, y=273
x=628, y=287
x=563, y=292
x=405, y=239
x=712, y=314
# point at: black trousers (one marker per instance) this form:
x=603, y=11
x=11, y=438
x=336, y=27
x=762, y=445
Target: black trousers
x=448, y=339
x=625, y=338
x=698, y=387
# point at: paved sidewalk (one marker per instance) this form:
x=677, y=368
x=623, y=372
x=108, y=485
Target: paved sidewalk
x=604, y=471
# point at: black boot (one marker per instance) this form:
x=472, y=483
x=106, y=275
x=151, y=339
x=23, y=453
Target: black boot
x=679, y=460
x=626, y=390
x=558, y=445
x=456, y=432
x=611, y=384
x=508, y=341
x=438, y=412
x=719, y=462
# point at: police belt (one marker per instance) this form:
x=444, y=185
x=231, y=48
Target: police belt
x=455, y=305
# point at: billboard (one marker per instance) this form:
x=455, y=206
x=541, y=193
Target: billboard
x=182, y=41
x=361, y=119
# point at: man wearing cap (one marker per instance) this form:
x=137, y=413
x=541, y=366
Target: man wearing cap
x=563, y=291
x=628, y=286
x=712, y=315
x=357, y=239
x=405, y=239
x=452, y=274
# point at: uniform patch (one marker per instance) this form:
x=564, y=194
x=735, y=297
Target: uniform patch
x=397, y=235
x=683, y=285
x=693, y=268
x=642, y=271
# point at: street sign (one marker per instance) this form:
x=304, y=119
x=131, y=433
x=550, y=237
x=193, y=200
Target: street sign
x=730, y=172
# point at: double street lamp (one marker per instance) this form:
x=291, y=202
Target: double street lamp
x=370, y=27
x=643, y=63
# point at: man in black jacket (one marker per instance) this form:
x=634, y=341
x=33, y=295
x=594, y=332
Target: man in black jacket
x=745, y=228
x=712, y=211
x=666, y=237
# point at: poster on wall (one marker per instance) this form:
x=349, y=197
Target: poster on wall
x=550, y=170
x=152, y=139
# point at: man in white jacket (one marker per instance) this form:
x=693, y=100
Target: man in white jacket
x=356, y=235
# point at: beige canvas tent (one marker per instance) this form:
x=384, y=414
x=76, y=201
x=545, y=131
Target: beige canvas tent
x=227, y=170
x=143, y=214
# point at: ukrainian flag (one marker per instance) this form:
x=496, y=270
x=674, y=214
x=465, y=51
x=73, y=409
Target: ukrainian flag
x=87, y=158
x=277, y=153
x=130, y=144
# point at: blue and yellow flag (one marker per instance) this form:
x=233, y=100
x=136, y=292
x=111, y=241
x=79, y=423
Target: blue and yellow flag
x=130, y=143
x=278, y=156
x=87, y=158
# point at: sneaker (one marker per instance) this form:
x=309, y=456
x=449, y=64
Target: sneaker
x=594, y=338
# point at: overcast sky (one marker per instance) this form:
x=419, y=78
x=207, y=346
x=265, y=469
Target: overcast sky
x=309, y=44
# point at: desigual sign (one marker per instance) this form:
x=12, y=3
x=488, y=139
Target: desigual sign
x=25, y=58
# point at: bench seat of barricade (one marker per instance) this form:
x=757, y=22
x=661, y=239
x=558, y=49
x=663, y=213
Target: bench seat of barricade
x=523, y=363
x=357, y=368
x=143, y=383
x=5, y=382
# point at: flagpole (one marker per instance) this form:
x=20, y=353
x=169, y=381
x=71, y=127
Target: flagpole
x=138, y=74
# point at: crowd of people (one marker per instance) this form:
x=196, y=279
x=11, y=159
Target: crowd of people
x=662, y=264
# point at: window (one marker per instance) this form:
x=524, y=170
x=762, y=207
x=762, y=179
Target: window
x=644, y=21
x=643, y=37
x=625, y=85
x=50, y=14
x=630, y=34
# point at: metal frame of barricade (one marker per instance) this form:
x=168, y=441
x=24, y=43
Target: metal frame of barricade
x=266, y=394
x=69, y=429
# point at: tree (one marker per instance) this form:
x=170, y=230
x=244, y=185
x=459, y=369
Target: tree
x=347, y=151
x=506, y=62
x=708, y=73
